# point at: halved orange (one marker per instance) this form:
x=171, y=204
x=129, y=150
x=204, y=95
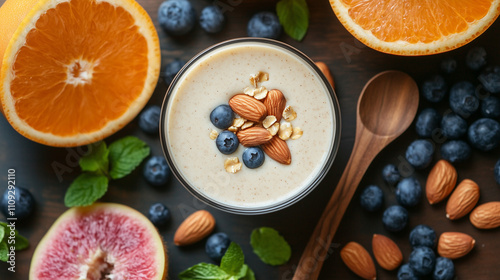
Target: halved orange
x=416, y=27
x=75, y=71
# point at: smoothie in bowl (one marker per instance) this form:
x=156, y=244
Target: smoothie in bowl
x=282, y=105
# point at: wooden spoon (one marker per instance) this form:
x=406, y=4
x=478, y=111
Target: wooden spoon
x=386, y=108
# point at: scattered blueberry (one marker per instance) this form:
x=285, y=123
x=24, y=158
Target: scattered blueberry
x=406, y=273
x=264, y=24
x=395, y=218
x=453, y=126
x=434, y=89
x=490, y=79
x=422, y=260
x=428, y=121
x=156, y=171
x=171, y=70
x=490, y=107
x=217, y=245
x=444, y=269
x=227, y=142
x=449, y=65
x=391, y=175
x=419, y=153
x=149, y=119
x=476, y=58
x=23, y=202
x=253, y=157
x=423, y=235
x=222, y=116
x=463, y=100
x=484, y=134
x=497, y=171
x=372, y=198
x=455, y=151
x=159, y=214
x=212, y=19
x=409, y=192
x=176, y=17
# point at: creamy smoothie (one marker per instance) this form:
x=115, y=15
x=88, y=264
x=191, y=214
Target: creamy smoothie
x=211, y=81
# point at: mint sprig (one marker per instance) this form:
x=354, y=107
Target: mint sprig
x=5, y=243
x=270, y=246
x=294, y=17
x=102, y=164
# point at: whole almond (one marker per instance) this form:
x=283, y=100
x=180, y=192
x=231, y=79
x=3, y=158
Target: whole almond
x=326, y=71
x=440, y=182
x=358, y=260
x=462, y=200
x=194, y=228
x=278, y=150
x=275, y=103
x=248, y=107
x=253, y=136
x=454, y=245
x=386, y=252
x=486, y=216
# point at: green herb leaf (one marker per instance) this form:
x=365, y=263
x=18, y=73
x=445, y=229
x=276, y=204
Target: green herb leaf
x=294, y=16
x=250, y=274
x=4, y=251
x=204, y=271
x=270, y=246
x=21, y=242
x=233, y=259
x=86, y=189
x=125, y=155
x=96, y=160
x=2, y=233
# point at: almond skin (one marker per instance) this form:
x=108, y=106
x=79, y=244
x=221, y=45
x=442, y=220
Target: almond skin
x=357, y=259
x=253, y=136
x=278, y=150
x=248, y=107
x=454, y=245
x=486, y=216
x=194, y=228
x=326, y=71
x=440, y=182
x=275, y=103
x=386, y=252
x=462, y=200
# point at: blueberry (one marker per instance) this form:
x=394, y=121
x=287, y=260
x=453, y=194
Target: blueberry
x=484, y=134
x=449, y=65
x=496, y=171
x=406, y=273
x=149, y=119
x=171, y=70
x=222, y=116
x=419, y=153
x=453, y=126
x=390, y=174
x=212, y=19
x=463, y=100
x=21, y=199
x=227, y=142
x=490, y=79
x=253, y=157
x=409, y=192
x=176, y=17
x=490, y=107
x=395, y=218
x=476, y=58
x=264, y=24
x=217, y=245
x=156, y=171
x=422, y=260
x=434, y=89
x=159, y=214
x=372, y=198
x=428, y=121
x=423, y=235
x=455, y=151
x=444, y=269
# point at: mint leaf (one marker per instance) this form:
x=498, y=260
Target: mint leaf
x=250, y=275
x=242, y=272
x=96, y=160
x=86, y=189
x=125, y=155
x=233, y=259
x=21, y=242
x=294, y=16
x=204, y=271
x=270, y=246
x=2, y=233
x=4, y=251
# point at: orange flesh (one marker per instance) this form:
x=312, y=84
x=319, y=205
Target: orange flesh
x=416, y=21
x=81, y=66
